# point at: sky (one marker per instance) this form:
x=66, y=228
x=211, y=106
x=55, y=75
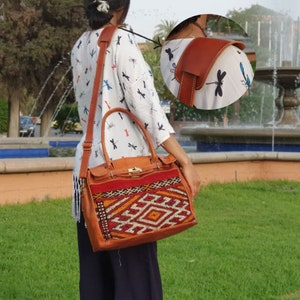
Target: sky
x=144, y=15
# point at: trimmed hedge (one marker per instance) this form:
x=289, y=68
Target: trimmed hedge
x=3, y=116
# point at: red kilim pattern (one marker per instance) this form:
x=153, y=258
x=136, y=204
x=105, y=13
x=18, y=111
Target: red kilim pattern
x=142, y=208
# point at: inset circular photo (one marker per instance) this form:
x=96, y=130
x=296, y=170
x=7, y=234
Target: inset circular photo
x=207, y=62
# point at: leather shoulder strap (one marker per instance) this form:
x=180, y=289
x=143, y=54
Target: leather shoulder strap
x=103, y=42
x=195, y=63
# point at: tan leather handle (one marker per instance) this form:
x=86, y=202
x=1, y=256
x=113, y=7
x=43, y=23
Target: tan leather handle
x=103, y=43
x=154, y=156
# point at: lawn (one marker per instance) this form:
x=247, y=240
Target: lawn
x=246, y=246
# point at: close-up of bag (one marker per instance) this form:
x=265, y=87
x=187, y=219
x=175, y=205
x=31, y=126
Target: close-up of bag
x=206, y=70
x=195, y=64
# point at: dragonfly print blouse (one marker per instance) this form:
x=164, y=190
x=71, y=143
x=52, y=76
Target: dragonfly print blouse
x=127, y=83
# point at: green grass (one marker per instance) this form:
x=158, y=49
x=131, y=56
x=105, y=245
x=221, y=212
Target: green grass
x=246, y=246
x=38, y=252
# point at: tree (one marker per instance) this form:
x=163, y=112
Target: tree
x=35, y=35
x=262, y=24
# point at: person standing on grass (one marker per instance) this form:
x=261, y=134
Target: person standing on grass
x=131, y=273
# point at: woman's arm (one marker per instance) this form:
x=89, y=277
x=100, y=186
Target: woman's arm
x=142, y=99
x=189, y=171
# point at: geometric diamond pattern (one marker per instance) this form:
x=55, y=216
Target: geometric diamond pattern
x=141, y=207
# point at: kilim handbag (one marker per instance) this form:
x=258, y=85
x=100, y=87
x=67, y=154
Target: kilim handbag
x=131, y=200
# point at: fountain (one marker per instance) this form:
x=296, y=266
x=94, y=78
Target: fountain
x=287, y=80
x=39, y=147
x=282, y=134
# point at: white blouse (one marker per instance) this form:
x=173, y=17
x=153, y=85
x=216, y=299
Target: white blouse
x=128, y=83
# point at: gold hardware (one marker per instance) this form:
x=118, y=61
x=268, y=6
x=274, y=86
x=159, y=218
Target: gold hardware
x=135, y=170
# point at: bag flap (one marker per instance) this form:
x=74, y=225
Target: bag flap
x=99, y=171
x=167, y=160
x=199, y=57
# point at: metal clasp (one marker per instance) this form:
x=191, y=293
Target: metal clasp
x=135, y=170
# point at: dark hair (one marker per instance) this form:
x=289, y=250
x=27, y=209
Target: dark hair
x=182, y=25
x=98, y=19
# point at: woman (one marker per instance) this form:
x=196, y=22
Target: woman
x=132, y=273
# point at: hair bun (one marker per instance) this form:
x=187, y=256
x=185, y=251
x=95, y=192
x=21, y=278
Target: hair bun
x=103, y=6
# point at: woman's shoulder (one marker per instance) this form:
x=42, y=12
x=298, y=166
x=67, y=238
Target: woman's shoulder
x=124, y=40
x=125, y=31
x=83, y=39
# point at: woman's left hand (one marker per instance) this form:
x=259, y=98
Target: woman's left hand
x=188, y=169
x=191, y=175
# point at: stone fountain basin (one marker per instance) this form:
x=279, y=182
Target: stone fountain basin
x=244, y=139
x=287, y=77
x=34, y=147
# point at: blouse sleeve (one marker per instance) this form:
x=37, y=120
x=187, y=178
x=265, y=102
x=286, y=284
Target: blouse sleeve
x=138, y=86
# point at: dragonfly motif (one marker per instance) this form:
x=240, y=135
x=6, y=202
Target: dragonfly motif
x=132, y=146
x=114, y=144
x=247, y=80
x=174, y=66
x=219, y=83
x=170, y=52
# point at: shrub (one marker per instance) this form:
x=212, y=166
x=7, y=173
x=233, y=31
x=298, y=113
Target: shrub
x=3, y=116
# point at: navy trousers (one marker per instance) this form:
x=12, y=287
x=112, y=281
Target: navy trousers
x=125, y=274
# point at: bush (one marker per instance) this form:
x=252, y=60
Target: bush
x=67, y=118
x=3, y=116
